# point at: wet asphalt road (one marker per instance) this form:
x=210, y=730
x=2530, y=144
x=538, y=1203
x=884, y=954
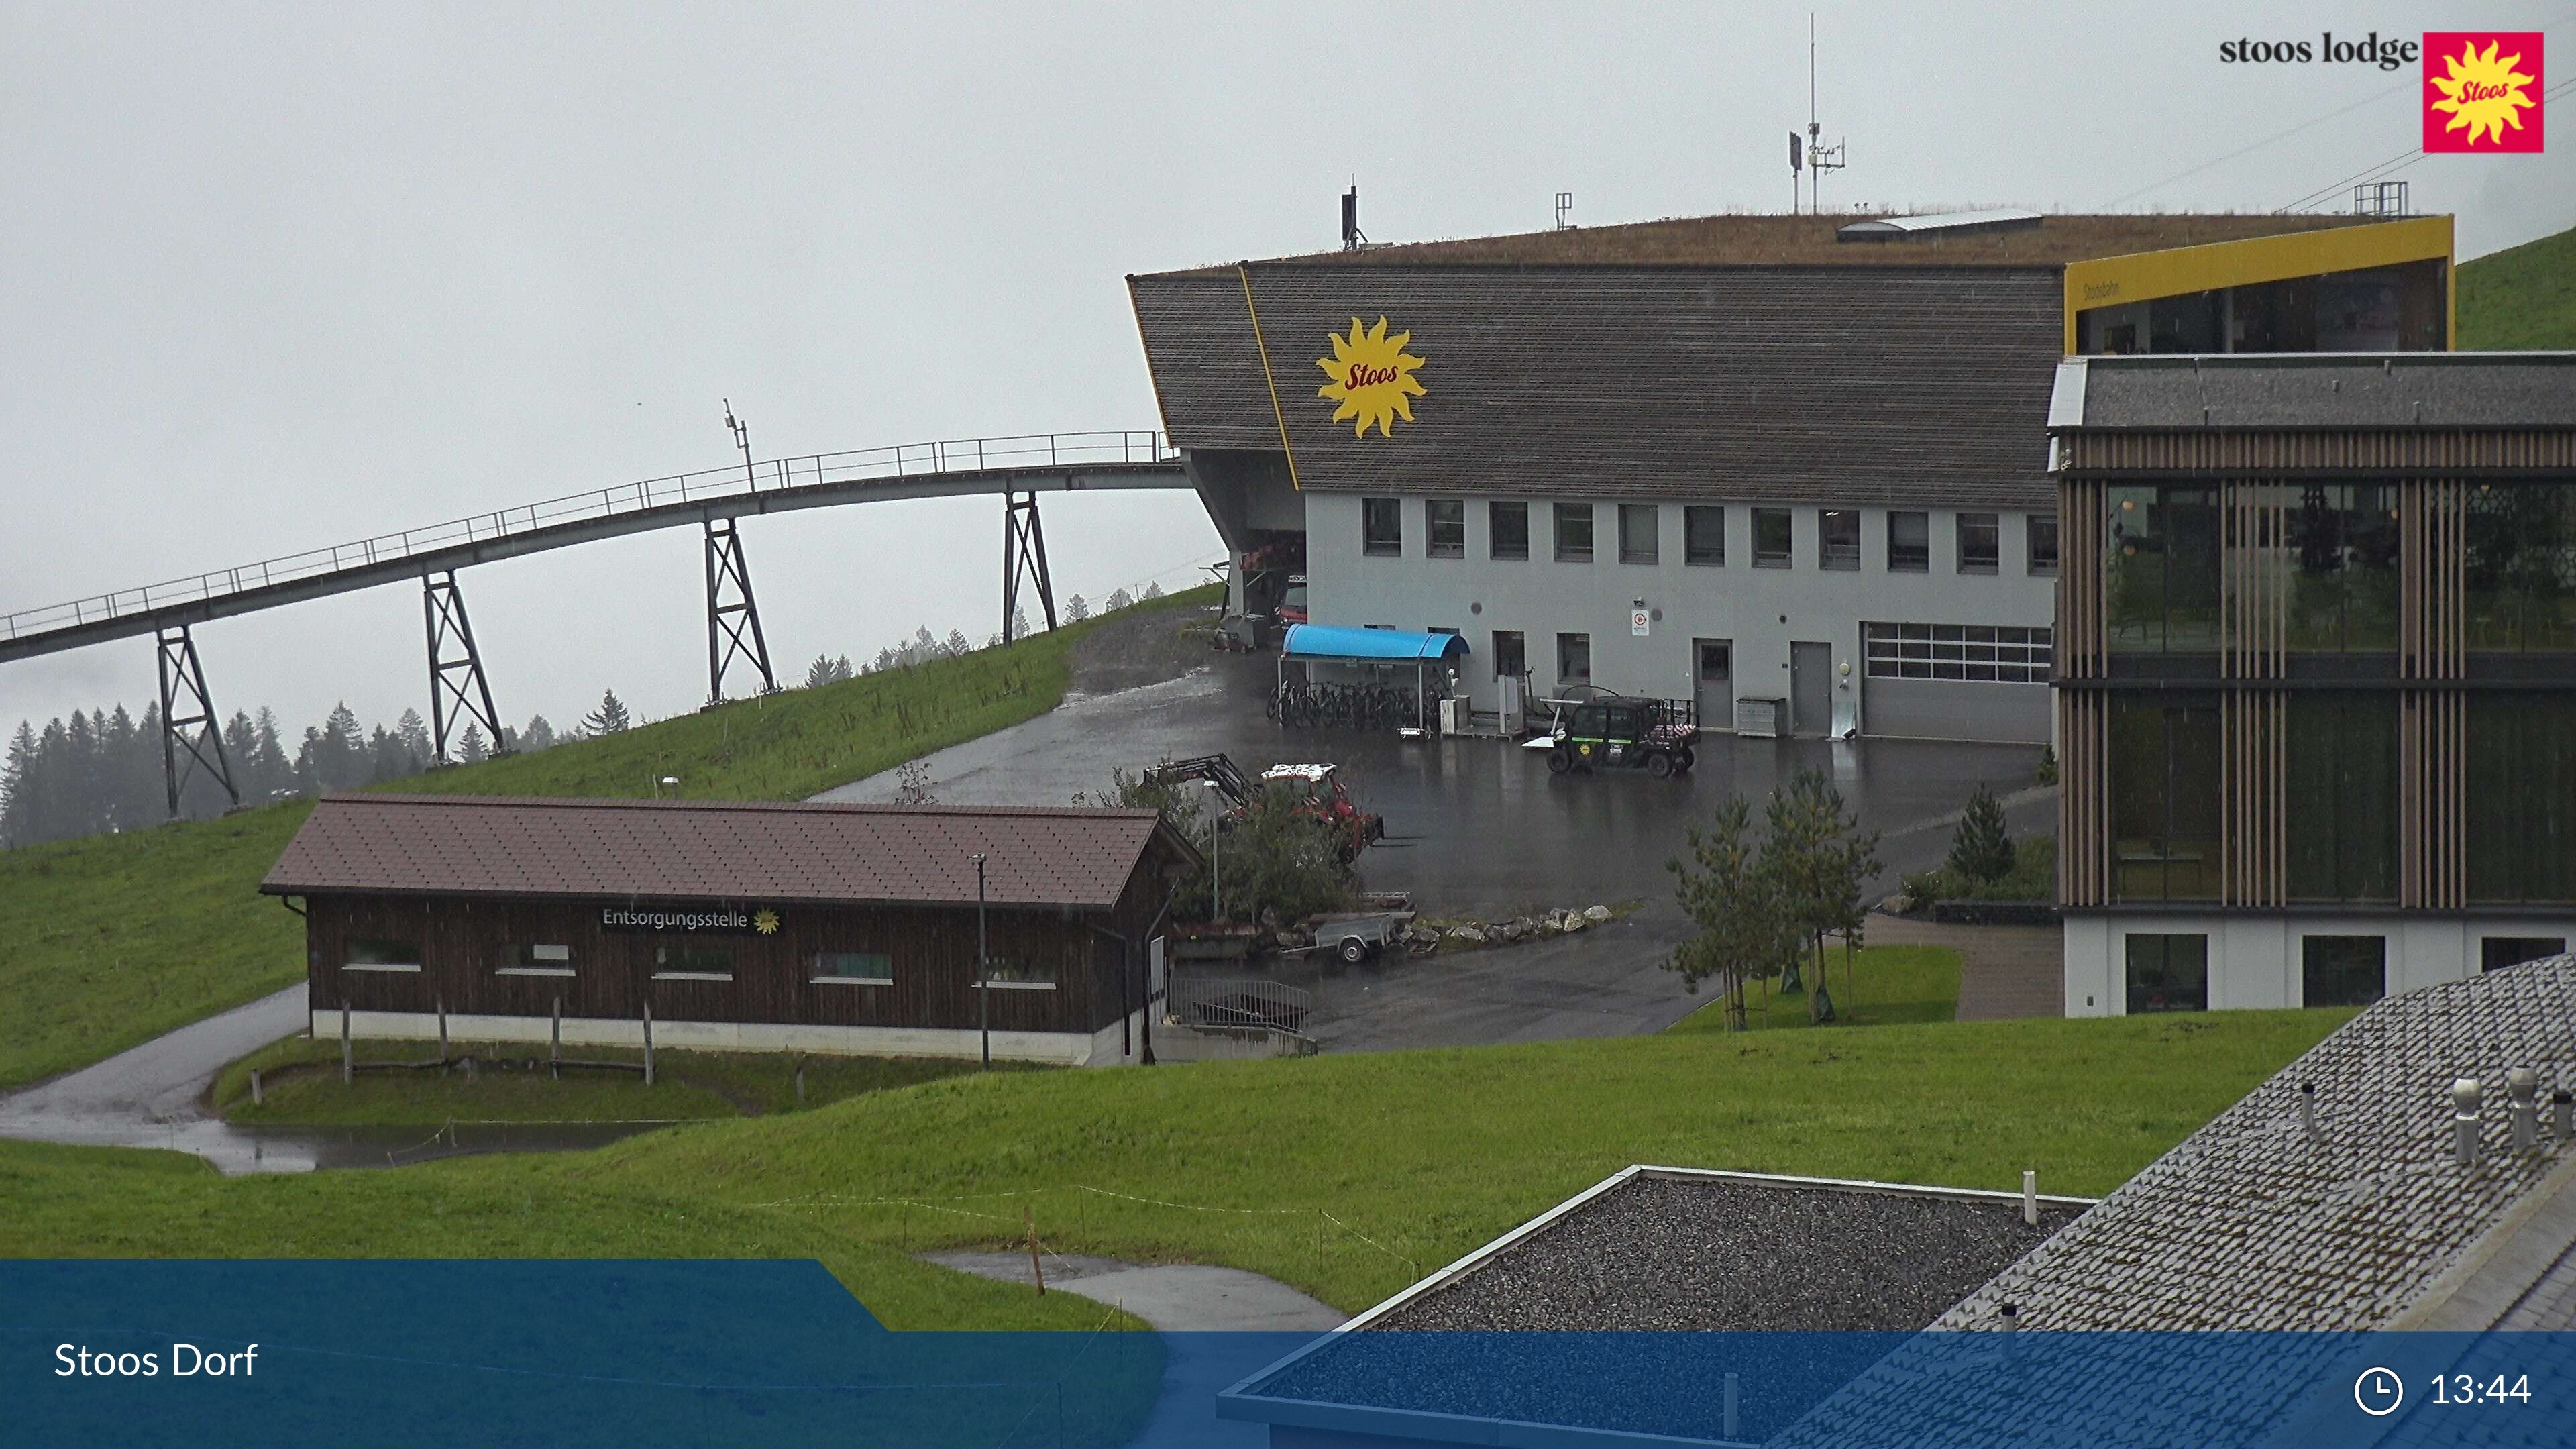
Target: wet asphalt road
x=1477, y=827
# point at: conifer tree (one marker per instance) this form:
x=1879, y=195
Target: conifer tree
x=1982, y=850
x=610, y=718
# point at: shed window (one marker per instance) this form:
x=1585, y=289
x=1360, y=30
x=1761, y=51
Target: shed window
x=1018, y=973
x=1447, y=531
x=1574, y=533
x=853, y=968
x=373, y=954
x=1509, y=523
x=1638, y=527
x=1703, y=534
x=533, y=958
x=693, y=963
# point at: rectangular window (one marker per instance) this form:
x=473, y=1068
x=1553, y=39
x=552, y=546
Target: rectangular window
x=853, y=968
x=2042, y=534
x=1981, y=547
x=1716, y=660
x=693, y=963
x=2004, y=653
x=1382, y=527
x=1511, y=653
x=1573, y=659
x=1574, y=533
x=1838, y=538
x=2160, y=573
x=372, y=954
x=2342, y=970
x=536, y=959
x=1446, y=528
x=1704, y=535
x=2168, y=973
x=2341, y=791
x=1509, y=523
x=1639, y=525
x=2520, y=797
x=1770, y=538
x=2520, y=568
x=2163, y=766
x=2497, y=952
x=1018, y=973
x=1909, y=543
x=2338, y=549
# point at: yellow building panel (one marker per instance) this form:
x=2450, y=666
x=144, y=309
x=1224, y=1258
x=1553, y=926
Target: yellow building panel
x=2181, y=271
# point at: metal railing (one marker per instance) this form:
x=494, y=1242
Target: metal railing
x=904, y=460
x=1239, y=1002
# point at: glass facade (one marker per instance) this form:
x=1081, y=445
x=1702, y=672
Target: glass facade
x=2521, y=568
x=2161, y=569
x=2341, y=552
x=2341, y=793
x=2521, y=796
x=2167, y=972
x=2164, y=771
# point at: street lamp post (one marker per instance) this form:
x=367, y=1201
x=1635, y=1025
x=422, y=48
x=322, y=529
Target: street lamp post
x=983, y=987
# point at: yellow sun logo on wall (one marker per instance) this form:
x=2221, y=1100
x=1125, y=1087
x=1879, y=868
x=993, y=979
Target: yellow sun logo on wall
x=765, y=922
x=1372, y=378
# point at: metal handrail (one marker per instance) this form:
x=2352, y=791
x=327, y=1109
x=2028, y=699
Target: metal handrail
x=903, y=460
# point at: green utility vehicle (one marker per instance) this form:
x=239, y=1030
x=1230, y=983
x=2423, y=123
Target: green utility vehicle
x=1619, y=733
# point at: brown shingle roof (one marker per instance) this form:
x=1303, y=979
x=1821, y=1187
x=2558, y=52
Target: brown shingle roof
x=714, y=850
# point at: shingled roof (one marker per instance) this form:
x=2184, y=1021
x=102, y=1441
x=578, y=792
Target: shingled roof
x=450, y=845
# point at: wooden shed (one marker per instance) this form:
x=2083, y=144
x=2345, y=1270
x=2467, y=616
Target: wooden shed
x=735, y=926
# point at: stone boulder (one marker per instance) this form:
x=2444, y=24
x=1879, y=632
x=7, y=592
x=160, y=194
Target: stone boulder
x=1467, y=935
x=1596, y=914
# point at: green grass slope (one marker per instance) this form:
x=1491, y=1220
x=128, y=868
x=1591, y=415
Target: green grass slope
x=1344, y=1175
x=112, y=940
x=2521, y=297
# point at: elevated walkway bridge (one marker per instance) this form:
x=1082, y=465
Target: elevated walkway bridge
x=1017, y=469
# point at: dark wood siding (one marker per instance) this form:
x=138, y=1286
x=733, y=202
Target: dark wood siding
x=464, y=943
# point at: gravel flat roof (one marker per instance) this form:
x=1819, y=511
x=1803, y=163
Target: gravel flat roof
x=1662, y=1252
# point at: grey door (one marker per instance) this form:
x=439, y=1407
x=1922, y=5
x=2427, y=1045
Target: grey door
x=1811, y=687
x=1713, y=673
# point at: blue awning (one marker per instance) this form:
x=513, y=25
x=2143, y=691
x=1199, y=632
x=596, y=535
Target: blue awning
x=1333, y=641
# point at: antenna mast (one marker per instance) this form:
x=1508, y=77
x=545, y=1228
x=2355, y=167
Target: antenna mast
x=1821, y=158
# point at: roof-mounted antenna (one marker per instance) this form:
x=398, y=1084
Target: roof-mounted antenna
x=1352, y=239
x=1821, y=158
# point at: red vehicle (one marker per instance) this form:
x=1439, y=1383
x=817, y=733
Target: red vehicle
x=1292, y=604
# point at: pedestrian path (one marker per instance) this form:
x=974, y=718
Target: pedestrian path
x=2004, y=971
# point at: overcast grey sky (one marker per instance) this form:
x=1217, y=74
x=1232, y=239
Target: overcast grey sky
x=280, y=277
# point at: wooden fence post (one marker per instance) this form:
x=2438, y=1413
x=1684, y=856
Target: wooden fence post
x=442, y=1031
x=800, y=1081
x=348, y=1063
x=648, y=1044
x=554, y=1045
x=256, y=1099
x=1029, y=1215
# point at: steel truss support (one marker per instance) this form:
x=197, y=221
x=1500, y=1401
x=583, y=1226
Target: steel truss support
x=1023, y=551
x=198, y=733
x=733, y=615
x=457, y=689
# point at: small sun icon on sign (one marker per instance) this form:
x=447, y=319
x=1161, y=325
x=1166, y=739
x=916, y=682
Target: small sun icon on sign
x=765, y=922
x=2482, y=92
x=1372, y=378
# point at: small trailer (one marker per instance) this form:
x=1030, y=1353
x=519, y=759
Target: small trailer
x=1356, y=938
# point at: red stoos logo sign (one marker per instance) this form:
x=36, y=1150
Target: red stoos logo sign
x=2482, y=90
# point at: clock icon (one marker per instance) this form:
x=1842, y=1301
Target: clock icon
x=2378, y=1391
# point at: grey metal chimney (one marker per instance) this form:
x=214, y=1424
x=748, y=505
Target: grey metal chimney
x=2562, y=1114
x=2308, y=1112
x=2523, y=1085
x=2465, y=1097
